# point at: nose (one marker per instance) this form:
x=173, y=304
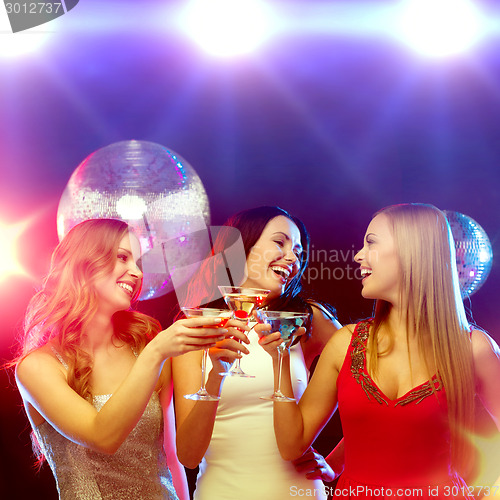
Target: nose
x=359, y=256
x=291, y=257
x=135, y=271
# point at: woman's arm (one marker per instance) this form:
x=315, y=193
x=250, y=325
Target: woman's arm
x=297, y=425
x=195, y=419
x=336, y=459
x=323, y=326
x=486, y=355
x=176, y=469
x=44, y=388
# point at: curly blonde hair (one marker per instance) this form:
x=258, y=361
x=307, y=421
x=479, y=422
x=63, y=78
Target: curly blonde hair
x=60, y=312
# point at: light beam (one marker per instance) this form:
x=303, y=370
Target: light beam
x=440, y=28
x=9, y=263
x=227, y=27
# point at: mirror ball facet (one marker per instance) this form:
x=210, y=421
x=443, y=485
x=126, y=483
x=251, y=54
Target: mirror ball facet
x=473, y=251
x=155, y=191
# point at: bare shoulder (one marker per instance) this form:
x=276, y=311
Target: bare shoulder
x=322, y=318
x=337, y=346
x=487, y=371
x=38, y=376
x=486, y=355
x=485, y=352
x=484, y=348
x=342, y=337
x=38, y=364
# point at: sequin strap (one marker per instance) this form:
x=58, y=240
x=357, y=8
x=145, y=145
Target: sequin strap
x=358, y=354
x=60, y=358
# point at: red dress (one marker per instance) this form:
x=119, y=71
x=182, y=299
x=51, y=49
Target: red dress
x=393, y=448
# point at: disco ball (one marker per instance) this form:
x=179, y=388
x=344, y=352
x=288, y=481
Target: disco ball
x=155, y=191
x=474, y=252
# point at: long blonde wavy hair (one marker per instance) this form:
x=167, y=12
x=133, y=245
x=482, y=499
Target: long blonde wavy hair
x=60, y=312
x=430, y=293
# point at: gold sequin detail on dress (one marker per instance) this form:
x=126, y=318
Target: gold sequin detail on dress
x=358, y=370
x=137, y=471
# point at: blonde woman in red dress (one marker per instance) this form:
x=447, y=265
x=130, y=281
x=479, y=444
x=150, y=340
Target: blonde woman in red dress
x=406, y=380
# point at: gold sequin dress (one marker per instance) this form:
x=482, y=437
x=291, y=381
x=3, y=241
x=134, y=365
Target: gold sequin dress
x=137, y=471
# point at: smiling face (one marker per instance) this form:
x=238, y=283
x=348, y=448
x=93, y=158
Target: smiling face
x=117, y=289
x=380, y=263
x=275, y=258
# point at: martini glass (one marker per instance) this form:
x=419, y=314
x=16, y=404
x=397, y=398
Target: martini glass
x=242, y=301
x=194, y=312
x=287, y=324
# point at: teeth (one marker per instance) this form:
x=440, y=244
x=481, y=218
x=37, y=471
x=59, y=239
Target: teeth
x=365, y=272
x=126, y=286
x=281, y=271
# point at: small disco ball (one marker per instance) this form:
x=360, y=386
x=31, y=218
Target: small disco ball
x=474, y=252
x=155, y=191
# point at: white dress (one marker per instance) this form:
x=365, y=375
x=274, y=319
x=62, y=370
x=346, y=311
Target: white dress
x=242, y=461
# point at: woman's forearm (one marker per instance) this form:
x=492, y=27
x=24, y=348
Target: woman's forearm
x=336, y=459
x=194, y=432
x=288, y=425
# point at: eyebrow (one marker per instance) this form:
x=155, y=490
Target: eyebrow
x=124, y=250
x=288, y=238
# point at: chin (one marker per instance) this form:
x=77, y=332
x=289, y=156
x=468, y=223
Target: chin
x=124, y=306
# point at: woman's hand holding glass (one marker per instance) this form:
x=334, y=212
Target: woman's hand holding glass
x=242, y=301
x=288, y=325
x=223, y=316
x=186, y=335
x=226, y=351
x=271, y=341
x=268, y=340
